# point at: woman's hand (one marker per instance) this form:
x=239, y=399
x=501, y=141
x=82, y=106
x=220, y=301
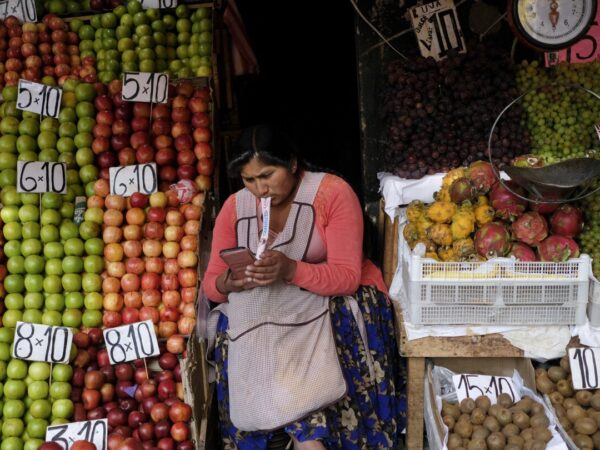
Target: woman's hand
x=226, y=283
x=273, y=266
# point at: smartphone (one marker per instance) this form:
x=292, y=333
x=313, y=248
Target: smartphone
x=237, y=259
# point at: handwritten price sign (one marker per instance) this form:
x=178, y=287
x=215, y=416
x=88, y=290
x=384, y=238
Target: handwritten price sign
x=94, y=431
x=34, y=342
x=159, y=4
x=23, y=10
x=39, y=177
x=584, y=367
x=39, y=98
x=129, y=342
x=126, y=180
x=472, y=386
x=145, y=87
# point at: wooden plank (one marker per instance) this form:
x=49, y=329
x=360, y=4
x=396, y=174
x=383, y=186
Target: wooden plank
x=415, y=394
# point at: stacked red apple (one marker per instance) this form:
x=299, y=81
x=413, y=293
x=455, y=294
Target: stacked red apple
x=144, y=409
x=108, y=130
x=3, y=273
x=35, y=51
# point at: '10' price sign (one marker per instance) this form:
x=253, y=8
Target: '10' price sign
x=35, y=342
x=23, y=10
x=34, y=176
x=147, y=87
x=94, y=431
x=126, y=180
x=129, y=342
x=472, y=386
x=584, y=367
x=159, y=4
x=39, y=98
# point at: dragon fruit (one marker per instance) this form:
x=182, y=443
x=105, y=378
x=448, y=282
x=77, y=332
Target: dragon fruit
x=462, y=189
x=528, y=161
x=567, y=221
x=507, y=205
x=522, y=252
x=492, y=240
x=531, y=228
x=482, y=176
x=557, y=248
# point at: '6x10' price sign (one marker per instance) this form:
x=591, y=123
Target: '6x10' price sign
x=35, y=342
x=129, y=342
x=126, y=180
x=65, y=435
x=584, y=365
x=39, y=177
x=473, y=386
x=147, y=87
x=39, y=98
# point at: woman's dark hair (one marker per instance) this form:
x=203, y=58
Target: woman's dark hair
x=266, y=143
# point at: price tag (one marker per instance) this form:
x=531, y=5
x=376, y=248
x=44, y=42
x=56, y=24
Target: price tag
x=129, y=342
x=94, y=431
x=23, y=10
x=126, y=180
x=472, y=386
x=159, y=4
x=39, y=98
x=79, y=212
x=40, y=177
x=584, y=367
x=147, y=87
x=35, y=342
x=437, y=29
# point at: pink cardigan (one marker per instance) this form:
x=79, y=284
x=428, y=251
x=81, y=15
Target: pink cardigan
x=340, y=226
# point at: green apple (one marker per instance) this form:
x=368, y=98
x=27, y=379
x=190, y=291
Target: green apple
x=41, y=409
x=53, y=250
x=14, y=301
x=91, y=282
x=91, y=318
x=67, y=210
x=10, y=213
x=71, y=282
x=52, y=318
x=51, y=217
x=10, y=197
x=12, y=443
x=11, y=317
x=62, y=372
x=93, y=301
x=14, y=283
x=49, y=233
x=60, y=390
x=5, y=353
x=37, y=390
x=16, y=264
x=17, y=369
x=33, y=300
x=72, y=264
x=74, y=246
x=68, y=230
x=52, y=284
x=94, y=246
x=55, y=302
x=12, y=427
x=34, y=264
x=83, y=157
x=34, y=282
x=39, y=371
x=83, y=139
x=71, y=318
x=12, y=230
x=31, y=230
x=31, y=247
x=32, y=316
x=62, y=408
x=36, y=429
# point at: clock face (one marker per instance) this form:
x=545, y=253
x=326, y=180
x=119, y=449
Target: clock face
x=553, y=24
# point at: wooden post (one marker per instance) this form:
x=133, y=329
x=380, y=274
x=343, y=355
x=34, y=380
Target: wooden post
x=416, y=397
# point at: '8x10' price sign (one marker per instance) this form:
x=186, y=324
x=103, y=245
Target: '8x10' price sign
x=39, y=98
x=473, y=386
x=129, y=342
x=147, y=87
x=584, y=363
x=23, y=10
x=40, y=177
x=126, y=180
x=65, y=435
x=35, y=342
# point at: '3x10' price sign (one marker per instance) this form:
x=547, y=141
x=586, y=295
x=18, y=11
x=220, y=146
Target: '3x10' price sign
x=129, y=342
x=24, y=10
x=147, y=87
x=35, y=342
x=39, y=177
x=65, y=435
x=39, y=98
x=126, y=180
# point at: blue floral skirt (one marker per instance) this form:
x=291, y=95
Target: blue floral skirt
x=373, y=412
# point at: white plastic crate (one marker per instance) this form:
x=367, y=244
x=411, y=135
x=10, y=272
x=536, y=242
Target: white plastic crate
x=501, y=291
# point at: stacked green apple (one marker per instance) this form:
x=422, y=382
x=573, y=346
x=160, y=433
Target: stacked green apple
x=130, y=38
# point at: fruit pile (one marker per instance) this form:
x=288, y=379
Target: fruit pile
x=589, y=239
x=439, y=114
x=577, y=411
x=476, y=217
x=62, y=7
x=479, y=425
x=130, y=38
x=561, y=119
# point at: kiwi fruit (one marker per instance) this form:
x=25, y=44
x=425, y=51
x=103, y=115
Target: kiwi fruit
x=540, y=372
x=596, y=439
x=450, y=409
x=556, y=373
x=510, y=429
x=537, y=408
x=565, y=388
x=480, y=432
x=527, y=434
x=583, y=397
x=496, y=441
x=464, y=418
x=545, y=385
x=505, y=400
x=575, y=413
x=477, y=416
x=539, y=420
x=594, y=415
x=482, y=402
x=595, y=402
x=515, y=440
x=467, y=406
x=454, y=441
x=494, y=410
x=537, y=445
x=463, y=428
x=565, y=423
x=556, y=398
x=564, y=364
x=491, y=423
x=585, y=425
x=504, y=416
x=521, y=420
x=449, y=422
x=583, y=441
x=570, y=402
x=477, y=444
x=541, y=434
x=513, y=447
x=560, y=410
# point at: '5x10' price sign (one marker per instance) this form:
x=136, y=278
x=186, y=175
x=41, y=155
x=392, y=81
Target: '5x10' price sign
x=39, y=98
x=472, y=386
x=584, y=365
x=126, y=180
x=129, y=342
x=34, y=176
x=94, y=431
x=147, y=87
x=35, y=342
x=24, y=10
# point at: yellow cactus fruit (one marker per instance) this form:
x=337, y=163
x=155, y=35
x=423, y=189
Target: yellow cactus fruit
x=452, y=175
x=484, y=214
x=464, y=248
x=441, y=212
x=443, y=195
x=432, y=255
x=414, y=211
x=423, y=225
x=429, y=245
x=447, y=253
x=482, y=200
x=441, y=234
x=410, y=233
x=463, y=224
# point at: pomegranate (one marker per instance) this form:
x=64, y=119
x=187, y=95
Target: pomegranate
x=531, y=228
x=557, y=248
x=492, y=240
x=507, y=205
x=462, y=189
x=482, y=175
x=522, y=252
x=567, y=221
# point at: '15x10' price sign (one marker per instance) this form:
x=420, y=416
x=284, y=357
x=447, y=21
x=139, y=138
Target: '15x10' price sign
x=94, y=431
x=145, y=87
x=129, y=342
x=39, y=98
x=472, y=386
x=126, y=180
x=35, y=342
x=584, y=365
x=23, y=10
x=40, y=177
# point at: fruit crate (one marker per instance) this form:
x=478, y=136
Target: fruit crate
x=500, y=291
